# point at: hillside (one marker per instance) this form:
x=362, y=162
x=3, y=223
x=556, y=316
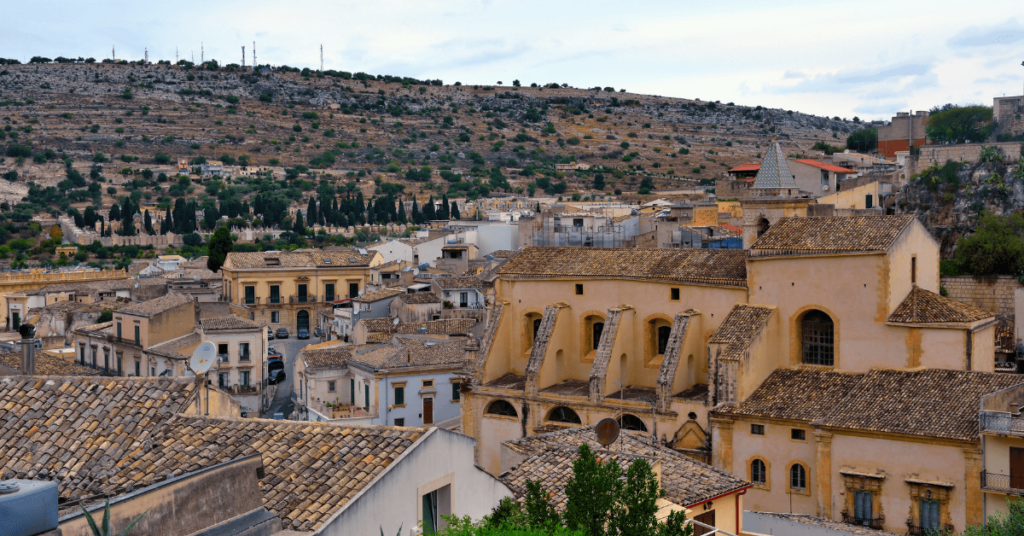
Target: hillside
x=140, y=116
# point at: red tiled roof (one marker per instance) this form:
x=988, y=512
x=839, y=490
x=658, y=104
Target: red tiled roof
x=746, y=167
x=732, y=228
x=823, y=165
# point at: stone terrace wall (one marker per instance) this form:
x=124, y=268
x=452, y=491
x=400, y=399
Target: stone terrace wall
x=995, y=296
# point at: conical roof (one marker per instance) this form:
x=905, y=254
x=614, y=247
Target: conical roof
x=774, y=172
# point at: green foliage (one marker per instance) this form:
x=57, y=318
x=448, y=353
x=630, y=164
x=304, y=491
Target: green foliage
x=591, y=491
x=105, y=529
x=864, y=140
x=995, y=248
x=220, y=245
x=990, y=153
x=106, y=315
x=959, y=124
x=1009, y=524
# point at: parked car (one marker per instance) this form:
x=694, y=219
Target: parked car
x=282, y=333
x=272, y=351
x=275, y=364
x=276, y=377
x=303, y=333
x=270, y=334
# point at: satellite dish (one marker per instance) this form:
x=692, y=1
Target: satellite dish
x=607, y=431
x=203, y=358
x=395, y=321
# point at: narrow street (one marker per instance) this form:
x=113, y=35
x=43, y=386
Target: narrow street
x=290, y=349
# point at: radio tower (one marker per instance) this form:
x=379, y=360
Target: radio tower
x=254, y=64
x=243, y=57
x=113, y=55
x=147, y=56
x=202, y=55
x=321, y=58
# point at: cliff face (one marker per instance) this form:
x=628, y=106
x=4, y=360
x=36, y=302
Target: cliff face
x=948, y=198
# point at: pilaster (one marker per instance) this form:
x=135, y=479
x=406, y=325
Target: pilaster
x=823, y=472
x=721, y=444
x=972, y=486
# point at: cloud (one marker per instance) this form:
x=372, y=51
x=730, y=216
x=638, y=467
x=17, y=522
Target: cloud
x=1003, y=34
x=998, y=79
x=881, y=107
x=859, y=79
x=794, y=74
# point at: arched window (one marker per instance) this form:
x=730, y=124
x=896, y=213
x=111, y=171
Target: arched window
x=536, y=327
x=501, y=407
x=762, y=226
x=564, y=414
x=758, y=472
x=817, y=331
x=632, y=422
x=598, y=330
x=531, y=325
x=663, y=333
x=797, y=477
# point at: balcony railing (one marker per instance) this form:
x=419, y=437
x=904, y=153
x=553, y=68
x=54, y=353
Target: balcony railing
x=251, y=300
x=915, y=530
x=1001, y=422
x=274, y=299
x=1009, y=484
x=874, y=522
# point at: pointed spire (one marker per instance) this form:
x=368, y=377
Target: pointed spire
x=774, y=172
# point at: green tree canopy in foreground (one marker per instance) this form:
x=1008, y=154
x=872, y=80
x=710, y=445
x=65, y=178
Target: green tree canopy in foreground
x=220, y=245
x=995, y=248
x=959, y=124
x=1009, y=524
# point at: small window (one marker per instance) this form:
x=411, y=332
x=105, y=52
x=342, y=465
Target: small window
x=663, y=334
x=758, y=472
x=913, y=270
x=428, y=384
x=797, y=434
x=798, y=478
x=330, y=386
x=501, y=407
x=675, y=294
x=564, y=414
x=456, y=395
x=757, y=429
x=222, y=349
x=275, y=317
x=399, y=395
x=579, y=289
x=138, y=340
x=400, y=422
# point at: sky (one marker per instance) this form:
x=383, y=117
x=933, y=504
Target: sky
x=866, y=59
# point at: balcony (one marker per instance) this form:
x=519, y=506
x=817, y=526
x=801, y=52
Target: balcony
x=251, y=300
x=914, y=530
x=1001, y=422
x=874, y=522
x=999, y=483
x=274, y=299
x=302, y=299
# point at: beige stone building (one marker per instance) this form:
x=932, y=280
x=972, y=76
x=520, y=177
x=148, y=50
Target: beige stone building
x=287, y=289
x=695, y=347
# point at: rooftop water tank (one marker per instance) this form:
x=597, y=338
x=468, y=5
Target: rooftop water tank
x=29, y=509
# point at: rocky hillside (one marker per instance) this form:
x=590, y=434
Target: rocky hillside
x=949, y=198
x=343, y=124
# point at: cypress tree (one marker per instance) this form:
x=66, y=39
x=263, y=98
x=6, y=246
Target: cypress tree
x=401, y=211
x=415, y=216
x=298, y=228
x=149, y=224
x=455, y=211
x=443, y=213
x=311, y=213
x=429, y=212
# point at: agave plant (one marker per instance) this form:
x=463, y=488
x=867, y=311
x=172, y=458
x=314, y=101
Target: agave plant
x=105, y=529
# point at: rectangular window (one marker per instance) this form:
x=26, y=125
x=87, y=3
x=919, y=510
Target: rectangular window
x=353, y=290
x=455, y=391
x=275, y=317
x=352, y=391
x=275, y=294
x=399, y=395
x=152, y=371
x=245, y=378
x=330, y=386
x=250, y=295
x=252, y=316
x=15, y=319
x=929, y=514
x=222, y=351
x=366, y=395
x=138, y=338
x=675, y=294
x=118, y=331
x=798, y=435
x=82, y=348
x=862, y=507
x=579, y=289
x=222, y=380
x=399, y=422
x=329, y=292
x=243, y=351
x=913, y=270
x=302, y=294
x=428, y=384
x=138, y=366
x=757, y=429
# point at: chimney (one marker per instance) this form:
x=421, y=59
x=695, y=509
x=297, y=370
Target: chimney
x=28, y=349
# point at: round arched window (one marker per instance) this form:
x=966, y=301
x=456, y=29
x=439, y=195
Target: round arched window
x=564, y=414
x=632, y=422
x=501, y=407
x=817, y=332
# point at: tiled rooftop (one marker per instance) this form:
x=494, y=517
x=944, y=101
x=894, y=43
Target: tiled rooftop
x=923, y=307
x=448, y=283
x=381, y=294
x=227, y=323
x=47, y=365
x=299, y=259
x=686, y=481
x=421, y=297
x=111, y=436
x=398, y=352
x=928, y=403
x=173, y=348
x=699, y=266
x=739, y=328
x=824, y=235
x=157, y=306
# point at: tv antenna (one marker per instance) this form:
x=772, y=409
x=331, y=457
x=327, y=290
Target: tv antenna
x=202, y=55
x=254, y=64
x=202, y=360
x=147, y=56
x=322, y=58
x=243, y=57
x=113, y=54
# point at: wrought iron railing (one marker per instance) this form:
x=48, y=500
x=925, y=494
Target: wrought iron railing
x=1012, y=484
x=871, y=522
x=1001, y=422
x=916, y=530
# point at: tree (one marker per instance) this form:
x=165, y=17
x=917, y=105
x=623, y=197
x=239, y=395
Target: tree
x=455, y=211
x=220, y=245
x=864, y=140
x=311, y=214
x=959, y=124
x=1009, y=524
x=401, y=211
x=149, y=224
x=591, y=491
x=115, y=212
x=442, y=214
x=995, y=248
x=634, y=513
x=599, y=181
x=298, y=227
x=429, y=212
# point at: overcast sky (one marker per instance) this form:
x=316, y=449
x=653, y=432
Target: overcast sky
x=868, y=59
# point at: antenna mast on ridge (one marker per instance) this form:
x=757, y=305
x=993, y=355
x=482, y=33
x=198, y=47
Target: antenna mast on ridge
x=254, y=64
x=147, y=55
x=321, y=58
x=202, y=55
x=113, y=55
x=243, y=57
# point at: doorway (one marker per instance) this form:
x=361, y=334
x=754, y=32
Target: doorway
x=428, y=411
x=707, y=518
x=302, y=320
x=1016, y=468
x=353, y=290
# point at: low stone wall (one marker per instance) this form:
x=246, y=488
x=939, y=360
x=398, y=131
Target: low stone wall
x=995, y=296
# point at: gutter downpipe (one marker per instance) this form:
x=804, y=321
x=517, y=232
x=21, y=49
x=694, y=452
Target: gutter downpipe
x=744, y=492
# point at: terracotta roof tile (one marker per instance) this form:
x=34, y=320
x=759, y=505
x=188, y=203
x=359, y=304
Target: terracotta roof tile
x=447, y=283
x=739, y=328
x=924, y=307
x=157, y=306
x=381, y=294
x=823, y=235
x=48, y=365
x=298, y=259
x=686, y=481
x=420, y=297
x=698, y=266
x=928, y=403
x=226, y=323
x=823, y=165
